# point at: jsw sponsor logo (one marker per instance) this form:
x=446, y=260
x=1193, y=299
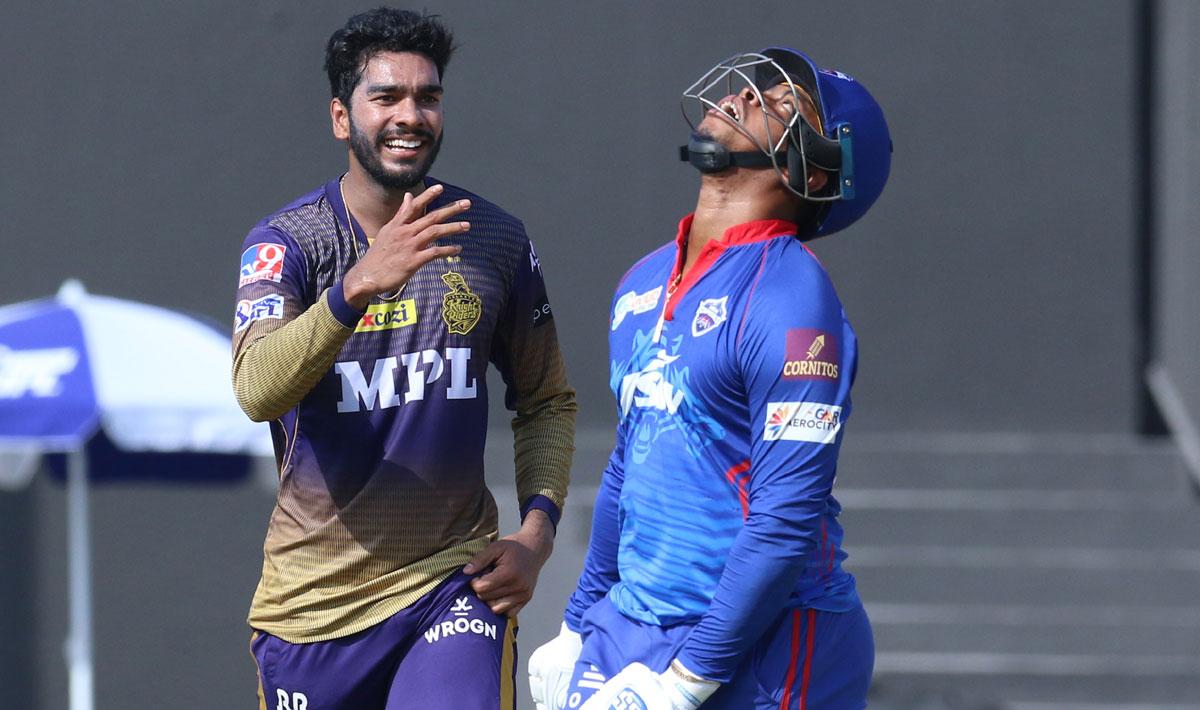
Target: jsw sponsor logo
x=420, y=369
x=649, y=388
x=36, y=372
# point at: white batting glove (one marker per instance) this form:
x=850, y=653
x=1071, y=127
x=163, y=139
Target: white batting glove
x=636, y=686
x=550, y=669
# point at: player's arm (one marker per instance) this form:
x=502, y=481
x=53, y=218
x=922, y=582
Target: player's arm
x=600, y=572
x=551, y=664
x=526, y=353
x=791, y=468
x=278, y=359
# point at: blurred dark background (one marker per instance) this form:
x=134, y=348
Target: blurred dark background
x=1024, y=532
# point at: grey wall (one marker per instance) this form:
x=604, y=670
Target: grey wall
x=1175, y=379
x=991, y=284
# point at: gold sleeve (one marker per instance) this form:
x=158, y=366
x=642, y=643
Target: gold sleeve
x=544, y=425
x=274, y=368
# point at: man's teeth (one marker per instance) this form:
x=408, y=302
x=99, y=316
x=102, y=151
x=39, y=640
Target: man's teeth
x=731, y=108
x=403, y=143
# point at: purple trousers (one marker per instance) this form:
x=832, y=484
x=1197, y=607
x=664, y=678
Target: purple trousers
x=448, y=650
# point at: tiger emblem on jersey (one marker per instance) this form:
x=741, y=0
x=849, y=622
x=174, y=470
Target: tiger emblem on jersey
x=461, y=308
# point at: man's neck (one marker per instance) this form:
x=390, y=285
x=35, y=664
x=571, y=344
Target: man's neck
x=372, y=204
x=729, y=200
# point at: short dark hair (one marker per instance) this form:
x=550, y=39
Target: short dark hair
x=383, y=29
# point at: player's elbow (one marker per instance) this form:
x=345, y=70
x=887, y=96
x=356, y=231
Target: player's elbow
x=251, y=396
x=254, y=407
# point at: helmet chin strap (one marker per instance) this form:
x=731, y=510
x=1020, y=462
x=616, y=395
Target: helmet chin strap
x=709, y=156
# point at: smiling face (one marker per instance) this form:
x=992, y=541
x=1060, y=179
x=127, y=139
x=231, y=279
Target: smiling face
x=394, y=121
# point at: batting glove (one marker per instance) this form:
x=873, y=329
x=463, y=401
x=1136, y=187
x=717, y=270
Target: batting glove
x=550, y=669
x=636, y=686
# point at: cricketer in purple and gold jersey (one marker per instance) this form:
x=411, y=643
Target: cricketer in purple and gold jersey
x=379, y=418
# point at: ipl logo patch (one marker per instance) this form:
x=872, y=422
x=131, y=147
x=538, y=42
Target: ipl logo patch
x=711, y=313
x=461, y=308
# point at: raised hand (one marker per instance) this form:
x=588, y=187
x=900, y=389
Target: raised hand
x=403, y=245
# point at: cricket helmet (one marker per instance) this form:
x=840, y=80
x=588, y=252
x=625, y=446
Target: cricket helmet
x=852, y=143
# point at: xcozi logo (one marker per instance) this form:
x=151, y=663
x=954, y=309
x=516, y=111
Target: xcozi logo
x=386, y=316
x=815, y=422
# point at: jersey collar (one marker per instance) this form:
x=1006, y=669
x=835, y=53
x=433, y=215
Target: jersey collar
x=744, y=233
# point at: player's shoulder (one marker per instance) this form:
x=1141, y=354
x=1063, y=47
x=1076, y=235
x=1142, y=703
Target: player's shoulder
x=648, y=266
x=304, y=218
x=792, y=275
x=483, y=212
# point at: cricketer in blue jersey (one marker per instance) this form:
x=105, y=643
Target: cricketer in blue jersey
x=368, y=313
x=714, y=572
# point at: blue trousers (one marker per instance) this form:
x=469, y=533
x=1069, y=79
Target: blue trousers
x=806, y=659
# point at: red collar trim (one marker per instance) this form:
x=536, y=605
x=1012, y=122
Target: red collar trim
x=744, y=233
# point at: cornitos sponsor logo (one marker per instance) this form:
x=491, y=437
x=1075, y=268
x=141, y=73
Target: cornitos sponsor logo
x=635, y=303
x=461, y=624
x=816, y=422
x=37, y=373
x=811, y=354
x=386, y=316
x=270, y=306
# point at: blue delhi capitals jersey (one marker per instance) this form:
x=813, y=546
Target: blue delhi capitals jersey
x=732, y=391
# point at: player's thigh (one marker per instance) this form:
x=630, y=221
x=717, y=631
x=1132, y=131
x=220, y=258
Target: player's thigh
x=807, y=659
x=346, y=674
x=612, y=641
x=465, y=657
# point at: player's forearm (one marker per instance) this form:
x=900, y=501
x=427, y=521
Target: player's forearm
x=272, y=374
x=600, y=571
x=543, y=445
x=763, y=567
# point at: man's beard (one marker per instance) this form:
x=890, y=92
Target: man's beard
x=367, y=151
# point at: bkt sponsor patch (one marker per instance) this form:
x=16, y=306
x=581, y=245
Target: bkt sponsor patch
x=816, y=422
x=386, y=316
x=270, y=306
x=635, y=303
x=811, y=354
x=262, y=262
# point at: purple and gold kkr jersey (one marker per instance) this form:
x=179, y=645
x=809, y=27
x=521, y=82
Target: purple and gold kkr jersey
x=379, y=418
